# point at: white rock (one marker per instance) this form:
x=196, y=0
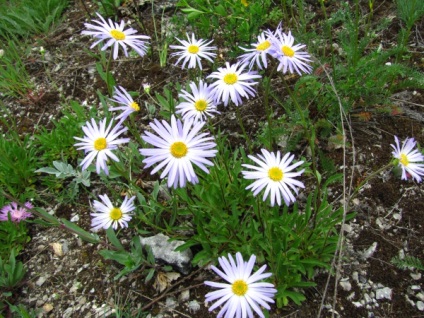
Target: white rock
x=184, y=296
x=420, y=305
x=75, y=218
x=367, y=298
x=415, y=287
x=416, y=276
x=397, y=216
x=357, y=304
x=409, y=300
x=351, y=296
x=382, y=224
x=420, y=296
x=355, y=276
x=171, y=303
x=382, y=293
x=163, y=249
x=346, y=285
x=347, y=228
x=369, y=251
x=41, y=281
x=193, y=306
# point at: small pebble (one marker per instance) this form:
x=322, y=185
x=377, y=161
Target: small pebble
x=41, y=281
x=416, y=276
x=382, y=293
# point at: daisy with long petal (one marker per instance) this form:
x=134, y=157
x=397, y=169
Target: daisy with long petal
x=290, y=56
x=231, y=82
x=244, y=291
x=178, y=146
x=409, y=158
x=15, y=213
x=258, y=54
x=115, y=35
x=192, y=51
x=107, y=215
x=126, y=102
x=275, y=175
x=198, y=105
x=99, y=141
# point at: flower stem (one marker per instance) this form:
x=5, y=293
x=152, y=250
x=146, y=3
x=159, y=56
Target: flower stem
x=246, y=137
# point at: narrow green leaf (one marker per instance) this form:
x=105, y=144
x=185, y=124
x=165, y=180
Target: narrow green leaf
x=111, y=235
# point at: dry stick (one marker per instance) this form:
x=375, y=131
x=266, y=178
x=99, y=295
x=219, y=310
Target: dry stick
x=339, y=251
x=166, y=292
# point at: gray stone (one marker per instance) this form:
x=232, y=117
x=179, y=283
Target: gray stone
x=420, y=305
x=164, y=250
x=41, y=281
x=382, y=293
x=346, y=285
x=193, y=306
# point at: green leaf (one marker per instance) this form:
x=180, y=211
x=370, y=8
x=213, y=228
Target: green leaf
x=47, y=217
x=87, y=236
x=111, y=235
x=221, y=10
x=149, y=275
x=122, y=257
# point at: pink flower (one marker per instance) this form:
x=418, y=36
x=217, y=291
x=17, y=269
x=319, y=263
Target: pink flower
x=16, y=214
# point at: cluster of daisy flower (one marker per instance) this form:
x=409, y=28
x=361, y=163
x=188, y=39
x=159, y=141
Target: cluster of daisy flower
x=14, y=213
x=179, y=145
x=235, y=81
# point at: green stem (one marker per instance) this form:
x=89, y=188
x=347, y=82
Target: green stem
x=109, y=89
x=246, y=137
x=368, y=178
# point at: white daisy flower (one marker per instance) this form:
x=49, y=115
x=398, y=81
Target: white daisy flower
x=192, y=51
x=128, y=105
x=409, y=159
x=100, y=141
x=115, y=35
x=199, y=104
x=259, y=52
x=108, y=215
x=290, y=56
x=232, y=83
x=274, y=174
x=243, y=292
x=178, y=147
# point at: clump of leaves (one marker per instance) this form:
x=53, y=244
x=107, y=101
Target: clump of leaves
x=408, y=262
x=18, y=163
x=11, y=272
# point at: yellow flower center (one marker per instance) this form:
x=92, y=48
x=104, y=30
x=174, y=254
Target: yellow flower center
x=117, y=35
x=115, y=214
x=275, y=174
x=179, y=149
x=193, y=49
x=200, y=105
x=239, y=287
x=404, y=159
x=135, y=106
x=263, y=46
x=244, y=2
x=230, y=78
x=287, y=51
x=100, y=144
